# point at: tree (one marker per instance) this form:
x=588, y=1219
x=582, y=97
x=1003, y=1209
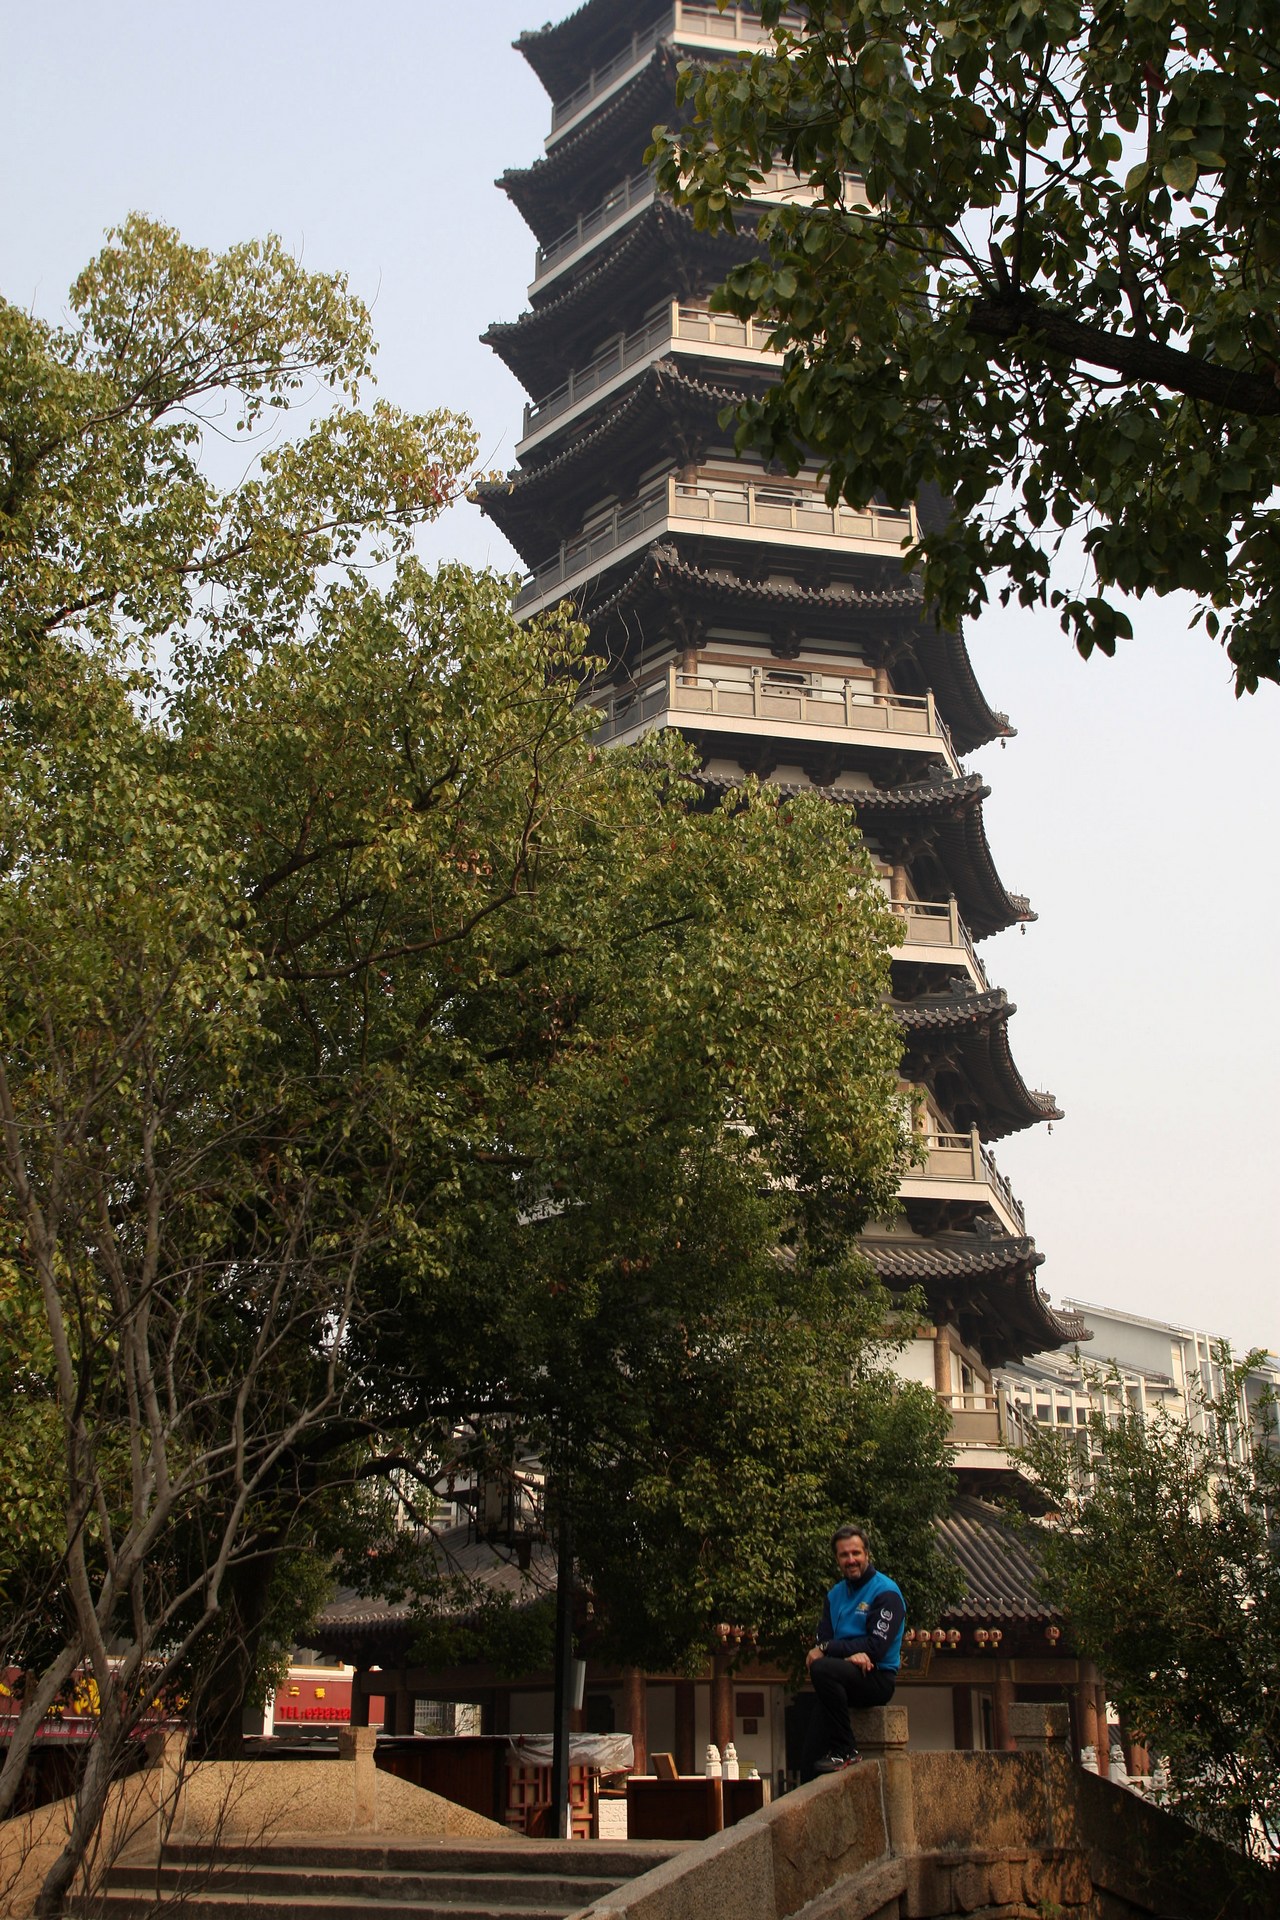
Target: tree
x=1166, y=1555
x=1037, y=281
x=367, y=1036
x=177, y=1276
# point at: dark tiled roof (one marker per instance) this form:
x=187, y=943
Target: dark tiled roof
x=661, y=246
x=908, y=1260
x=537, y=504
x=946, y=1013
x=549, y=192
x=662, y=566
x=1002, y=1574
x=952, y=807
x=562, y=54
x=354, y=1619
x=983, y=1282
x=977, y=1025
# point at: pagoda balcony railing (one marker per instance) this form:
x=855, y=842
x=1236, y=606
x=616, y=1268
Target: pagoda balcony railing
x=780, y=183
x=737, y=24
x=843, y=708
x=985, y=1417
x=617, y=205
x=943, y=1157
x=674, y=325
x=719, y=503
x=937, y=923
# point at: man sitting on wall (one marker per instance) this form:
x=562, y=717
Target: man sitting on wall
x=859, y=1646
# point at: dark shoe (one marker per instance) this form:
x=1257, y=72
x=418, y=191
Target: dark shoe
x=837, y=1762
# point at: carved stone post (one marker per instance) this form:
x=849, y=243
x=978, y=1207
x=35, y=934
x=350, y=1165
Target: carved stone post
x=356, y=1746
x=881, y=1734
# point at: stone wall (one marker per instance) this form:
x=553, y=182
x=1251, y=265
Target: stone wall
x=236, y=1801
x=936, y=1836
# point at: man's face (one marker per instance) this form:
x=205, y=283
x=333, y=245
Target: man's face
x=852, y=1558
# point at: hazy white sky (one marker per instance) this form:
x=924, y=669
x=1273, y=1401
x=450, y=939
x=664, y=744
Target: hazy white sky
x=1136, y=806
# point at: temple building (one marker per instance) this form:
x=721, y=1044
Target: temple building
x=782, y=637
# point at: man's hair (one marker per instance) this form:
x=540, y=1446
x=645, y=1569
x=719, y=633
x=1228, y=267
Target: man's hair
x=850, y=1533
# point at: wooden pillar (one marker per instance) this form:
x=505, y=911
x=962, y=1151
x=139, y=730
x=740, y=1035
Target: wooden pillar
x=962, y=1718
x=360, y=1690
x=1085, y=1694
x=1104, y=1731
x=635, y=1717
x=942, y=1365
x=686, y=1727
x=398, y=1704
x=1001, y=1701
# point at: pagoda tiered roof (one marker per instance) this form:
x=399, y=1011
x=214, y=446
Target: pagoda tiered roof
x=942, y=818
x=984, y=1283
x=891, y=623
x=961, y=1038
x=561, y=54
x=661, y=247
x=953, y=808
x=550, y=193
x=665, y=410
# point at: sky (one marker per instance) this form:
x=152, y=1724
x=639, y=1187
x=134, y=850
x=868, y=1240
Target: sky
x=1136, y=806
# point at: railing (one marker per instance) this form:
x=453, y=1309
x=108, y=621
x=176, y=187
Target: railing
x=1002, y=1187
x=750, y=503
x=736, y=23
x=579, y=556
x=624, y=199
x=676, y=323
x=987, y=1418
x=962, y=1156
x=937, y=923
x=757, y=697
x=601, y=77
x=727, y=503
x=638, y=191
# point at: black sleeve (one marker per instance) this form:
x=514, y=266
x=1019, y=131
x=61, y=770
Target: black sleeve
x=824, y=1624
x=887, y=1614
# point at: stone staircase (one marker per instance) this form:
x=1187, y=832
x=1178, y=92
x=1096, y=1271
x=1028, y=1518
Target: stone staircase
x=376, y=1879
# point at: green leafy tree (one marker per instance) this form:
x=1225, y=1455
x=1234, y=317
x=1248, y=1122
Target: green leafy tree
x=1166, y=1554
x=360, y=1020
x=1037, y=281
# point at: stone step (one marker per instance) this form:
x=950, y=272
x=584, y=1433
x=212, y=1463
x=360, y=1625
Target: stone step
x=208, y=1905
x=592, y=1859
x=289, y=1883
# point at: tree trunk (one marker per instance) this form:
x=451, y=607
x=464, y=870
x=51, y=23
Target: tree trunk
x=219, y=1697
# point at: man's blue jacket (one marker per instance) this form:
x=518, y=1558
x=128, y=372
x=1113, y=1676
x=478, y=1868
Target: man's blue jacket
x=864, y=1616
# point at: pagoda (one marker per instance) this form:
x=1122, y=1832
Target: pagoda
x=778, y=633
x=783, y=638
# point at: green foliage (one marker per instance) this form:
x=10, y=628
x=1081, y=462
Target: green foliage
x=1167, y=1557
x=513, y=1633
x=380, y=1061
x=1038, y=280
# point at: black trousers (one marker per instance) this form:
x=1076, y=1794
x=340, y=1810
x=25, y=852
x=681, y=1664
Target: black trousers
x=839, y=1685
